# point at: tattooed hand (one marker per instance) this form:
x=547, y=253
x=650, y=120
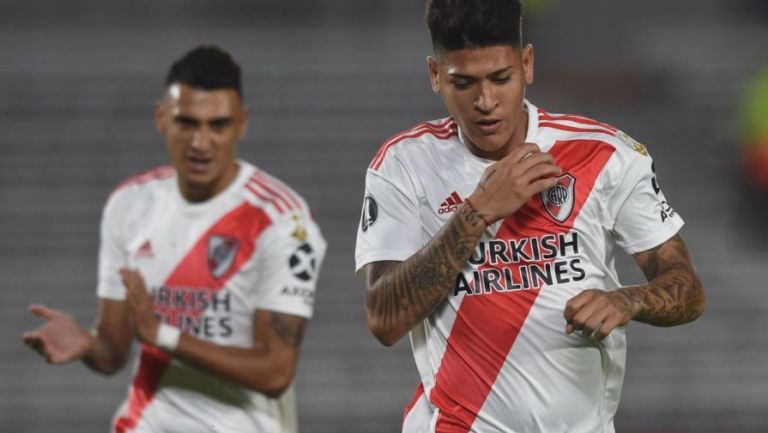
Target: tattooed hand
x=597, y=313
x=506, y=185
x=673, y=295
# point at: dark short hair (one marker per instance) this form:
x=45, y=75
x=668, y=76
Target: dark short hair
x=206, y=67
x=458, y=24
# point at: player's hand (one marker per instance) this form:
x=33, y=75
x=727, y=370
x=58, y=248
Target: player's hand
x=60, y=339
x=140, y=311
x=597, y=312
x=510, y=182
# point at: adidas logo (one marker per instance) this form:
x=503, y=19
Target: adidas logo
x=450, y=204
x=145, y=250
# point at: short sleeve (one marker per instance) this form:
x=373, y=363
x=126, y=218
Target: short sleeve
x=113, y=254
x=642, y=218
x=390, y=226
x=288, y=259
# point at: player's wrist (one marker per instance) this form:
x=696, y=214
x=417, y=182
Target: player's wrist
x=632, y=296
x=478, y=206
x=167, y=337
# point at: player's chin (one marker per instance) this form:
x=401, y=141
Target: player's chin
x=196, y=178
x=489, y=143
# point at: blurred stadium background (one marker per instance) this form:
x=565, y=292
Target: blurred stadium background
x=327, y=82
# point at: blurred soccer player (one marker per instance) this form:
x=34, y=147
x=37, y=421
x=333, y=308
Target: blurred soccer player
x=210, y=263
x=490, y=237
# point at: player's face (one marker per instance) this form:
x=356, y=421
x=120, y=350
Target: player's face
x=483, y=89
x=201, y=129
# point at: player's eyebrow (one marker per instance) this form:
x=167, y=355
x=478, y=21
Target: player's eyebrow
x=491, y=74
x=221, y=121
x=215, y=122
x=186, y=120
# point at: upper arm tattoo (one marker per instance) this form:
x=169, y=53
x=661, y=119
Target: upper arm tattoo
x=289, y=328
x=402, y=293
x=674, y=294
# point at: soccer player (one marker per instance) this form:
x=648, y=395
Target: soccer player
x=210, y=263
x=490, y=237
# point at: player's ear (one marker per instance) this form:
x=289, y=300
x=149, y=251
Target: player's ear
x=245, y=113
x=161, y=113
x=434, y=74
x=527, y=55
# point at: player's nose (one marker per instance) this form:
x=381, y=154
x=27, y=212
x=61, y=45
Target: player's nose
x=202, y=139
x=486, y=100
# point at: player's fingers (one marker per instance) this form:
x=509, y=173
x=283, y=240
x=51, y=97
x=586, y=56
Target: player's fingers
x=584, y=315
x=131, y=279
x=594, y=322
x=521, y=152
x=43, y=311
x=607, y=327
x=540, y=171
x=569, y=328
x=31, y=339
x=533, y=160
x=35, y=344
x=540, y=185
x=574, y=304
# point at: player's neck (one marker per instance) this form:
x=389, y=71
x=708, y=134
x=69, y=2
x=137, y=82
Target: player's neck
x=198, y=193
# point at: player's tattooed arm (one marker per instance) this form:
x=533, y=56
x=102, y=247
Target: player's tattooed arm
x=401, y=294
x=289, y=328
x=674, y=294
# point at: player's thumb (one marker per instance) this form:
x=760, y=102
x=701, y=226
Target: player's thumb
x=42, y=311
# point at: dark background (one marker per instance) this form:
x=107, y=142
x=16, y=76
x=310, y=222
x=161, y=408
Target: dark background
x=327, y=82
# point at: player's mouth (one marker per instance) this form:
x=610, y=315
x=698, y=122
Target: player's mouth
x=199, y=164
x=488, y=126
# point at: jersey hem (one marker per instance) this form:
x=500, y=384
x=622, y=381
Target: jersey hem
x=386, y=255
x=283, y=309
x=655, y=240
x=111, y=296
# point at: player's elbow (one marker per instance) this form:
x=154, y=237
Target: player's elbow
x=278, y=381
x=699, y=303
x=278, y=385
x=387, y=335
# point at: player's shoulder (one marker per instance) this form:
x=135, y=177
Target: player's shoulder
x=142, y=183
x=574, y=127
x=266, y=191
x=289, y=213
x=414, y=142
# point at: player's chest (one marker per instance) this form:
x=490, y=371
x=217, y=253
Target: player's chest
x=200, y=250
x=572, y=204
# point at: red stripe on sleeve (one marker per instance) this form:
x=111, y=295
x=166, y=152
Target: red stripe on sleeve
x=577, y=119
x=271, y=200
x=444, y=130
x=271, y=190
x=570, y=128
x=282, y=189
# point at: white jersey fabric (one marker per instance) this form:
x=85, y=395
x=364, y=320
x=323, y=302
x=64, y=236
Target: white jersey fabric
x=208, y=267
x=494, y=355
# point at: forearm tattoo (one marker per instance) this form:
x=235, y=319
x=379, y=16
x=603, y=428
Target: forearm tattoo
x=403, y=293
x=289, y=328
x=674, y=295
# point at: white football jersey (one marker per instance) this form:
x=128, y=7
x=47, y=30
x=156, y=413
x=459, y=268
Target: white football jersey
x=494, y=355
x=208, y=266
